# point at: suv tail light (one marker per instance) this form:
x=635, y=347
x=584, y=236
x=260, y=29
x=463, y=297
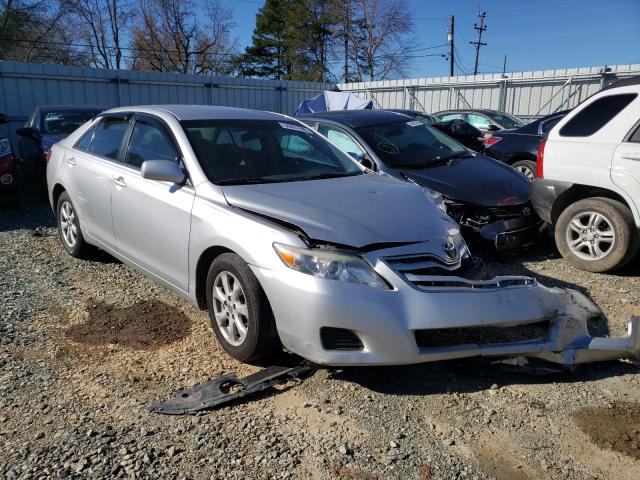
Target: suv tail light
x=540, y=168
x=492, y=140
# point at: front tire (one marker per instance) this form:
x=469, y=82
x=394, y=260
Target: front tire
x=597, y=234
x=526, y=167
x=69, y=228
x=239, y=311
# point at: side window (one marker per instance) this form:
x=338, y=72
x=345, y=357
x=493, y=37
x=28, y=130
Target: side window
x=635, y=137
x=108, y=135
x=85, y=141
x=479, y=121
x=149, y=142
x=450, y=116
x=342, y=139
x=596, y=115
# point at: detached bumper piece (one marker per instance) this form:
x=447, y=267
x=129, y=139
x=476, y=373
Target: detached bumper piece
x=226, y=389
x=563, y=339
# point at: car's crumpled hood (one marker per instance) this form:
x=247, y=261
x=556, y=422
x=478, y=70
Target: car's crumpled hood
x=478, y=180
x=356, y=211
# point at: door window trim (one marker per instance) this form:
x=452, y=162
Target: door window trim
x=94, y=127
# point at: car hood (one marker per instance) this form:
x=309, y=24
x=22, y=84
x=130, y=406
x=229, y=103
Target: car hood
x=478, y=180
x=357, y=211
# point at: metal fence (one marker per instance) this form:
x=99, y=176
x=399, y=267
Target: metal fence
x=528, y=95
x=24, y=85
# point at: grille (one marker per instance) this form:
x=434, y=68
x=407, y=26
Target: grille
x=448, y=337
x=339, y=339
x=512, y=211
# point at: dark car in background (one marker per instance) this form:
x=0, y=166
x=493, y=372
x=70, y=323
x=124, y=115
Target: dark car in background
x=488, y=199
x=518, y=147
x=8, y=176
x=462, y=131
x=46, y=126
x=487, y=121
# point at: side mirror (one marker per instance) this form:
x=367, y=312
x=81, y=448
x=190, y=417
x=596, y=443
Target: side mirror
x=492, y=128
x=162, y=170
x=3, y=118
x=366, y=162
x=29, y=132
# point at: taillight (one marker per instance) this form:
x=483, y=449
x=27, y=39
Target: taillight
x=47, y=156
x=492, y=140
x=539, y=172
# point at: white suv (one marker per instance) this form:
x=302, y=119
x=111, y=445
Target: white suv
x=588, y=182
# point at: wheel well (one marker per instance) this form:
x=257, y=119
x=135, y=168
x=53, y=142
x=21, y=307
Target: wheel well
x=57, y=191
x=202, y=269
x=580, y=192
x=521, y=156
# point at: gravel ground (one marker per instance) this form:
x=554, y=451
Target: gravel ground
x=85, y=346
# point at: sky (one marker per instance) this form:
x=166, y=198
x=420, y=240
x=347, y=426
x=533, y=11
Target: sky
x=534, y=34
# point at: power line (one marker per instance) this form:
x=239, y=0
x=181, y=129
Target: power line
x=479, y=43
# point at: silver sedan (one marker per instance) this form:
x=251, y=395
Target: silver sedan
x=289, y=243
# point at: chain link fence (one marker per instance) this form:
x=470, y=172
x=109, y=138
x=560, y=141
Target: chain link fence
x=528, y=95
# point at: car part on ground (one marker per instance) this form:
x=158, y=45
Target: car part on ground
x=487, y=198
x=288, y=241
x=518, y=147
x=588, y=177
x=228, y=388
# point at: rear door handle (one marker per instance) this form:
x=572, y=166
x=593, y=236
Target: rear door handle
x=71, y=160
x=119, y=182
x=631, y=156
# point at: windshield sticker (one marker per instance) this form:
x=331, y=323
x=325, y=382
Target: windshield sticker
x=414, y=123
x=291, y=126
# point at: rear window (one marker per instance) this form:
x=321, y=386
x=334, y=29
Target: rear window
x=596, y=115
x=64, y=122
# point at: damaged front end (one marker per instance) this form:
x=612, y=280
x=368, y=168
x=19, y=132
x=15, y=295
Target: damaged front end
x=505, y=227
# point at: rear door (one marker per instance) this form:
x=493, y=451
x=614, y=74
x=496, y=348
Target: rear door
x=625, y=170
x=89, y=168
x=152, y=219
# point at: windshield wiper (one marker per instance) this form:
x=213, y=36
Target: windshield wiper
x=328, y=175
x=244, y=181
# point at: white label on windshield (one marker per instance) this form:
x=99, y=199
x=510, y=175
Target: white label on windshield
x=291, y=126
x=414, y=123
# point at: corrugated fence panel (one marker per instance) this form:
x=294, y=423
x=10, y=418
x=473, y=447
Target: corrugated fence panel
x=527, y=94
x=24, y=86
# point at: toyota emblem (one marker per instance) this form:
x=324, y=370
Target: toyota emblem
x=450, y=250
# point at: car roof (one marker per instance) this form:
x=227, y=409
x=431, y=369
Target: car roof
x=202, y=112
x=481, y=110
x=626, y=82
x=356, y=118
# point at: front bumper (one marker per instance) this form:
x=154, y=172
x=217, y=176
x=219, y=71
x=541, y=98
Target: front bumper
x=387, y=321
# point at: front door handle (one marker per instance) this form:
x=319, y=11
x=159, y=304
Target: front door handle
x=119, y=182
x=71, y=160
x=631, y=156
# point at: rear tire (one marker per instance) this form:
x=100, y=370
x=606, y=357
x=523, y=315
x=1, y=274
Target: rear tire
x=69, y=229
x=528, y=168
x=239, y=310
x=597, y=235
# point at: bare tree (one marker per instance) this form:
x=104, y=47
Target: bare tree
x=170, y=38
x=380, y=38
x=102, y=25
x=34, y=31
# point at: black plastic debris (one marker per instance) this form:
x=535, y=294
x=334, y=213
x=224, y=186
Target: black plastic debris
x=227, y=388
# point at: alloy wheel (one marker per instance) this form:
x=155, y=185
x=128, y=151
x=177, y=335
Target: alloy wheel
x=590, y=236
x=526, y=171
x=230, y=308
x=68, y=225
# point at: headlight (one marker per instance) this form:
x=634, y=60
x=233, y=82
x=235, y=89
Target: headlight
x=330, y=265
x=5, y=147
x=436, y=198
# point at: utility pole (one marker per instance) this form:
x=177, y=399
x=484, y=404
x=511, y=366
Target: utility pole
x=451, y=44
x=504, y=65
x=479, y=43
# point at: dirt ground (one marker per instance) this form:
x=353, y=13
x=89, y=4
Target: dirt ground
x=86, y=346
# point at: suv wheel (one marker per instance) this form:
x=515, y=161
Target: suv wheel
x=596, y=234
x=239, y=310
x=69, y=228
x=526, y=167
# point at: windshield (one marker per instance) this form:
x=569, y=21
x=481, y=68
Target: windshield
x=264, y=151
x=411, y=144
x=65, y=122
x=507, y=121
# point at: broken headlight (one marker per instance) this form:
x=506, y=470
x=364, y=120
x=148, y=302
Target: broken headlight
x=330, y=265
